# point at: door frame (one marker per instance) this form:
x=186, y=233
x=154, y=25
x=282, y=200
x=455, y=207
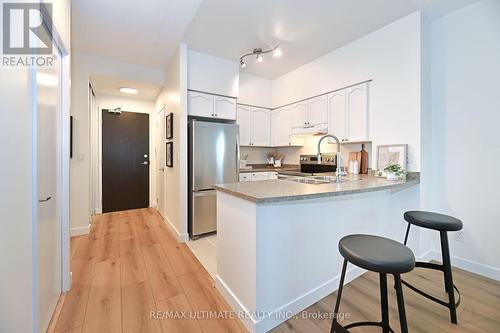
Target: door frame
x=157, y=162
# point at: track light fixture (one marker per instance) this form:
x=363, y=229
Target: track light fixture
x=258, y=52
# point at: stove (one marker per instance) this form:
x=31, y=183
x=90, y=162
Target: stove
x=309, y=163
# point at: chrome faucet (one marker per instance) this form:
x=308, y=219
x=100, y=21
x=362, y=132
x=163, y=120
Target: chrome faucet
x=338, y=177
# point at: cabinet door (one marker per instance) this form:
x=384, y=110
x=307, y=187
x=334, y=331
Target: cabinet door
x=261, y=127
x=245, y=177
x=318, y=110
x=259, y=176
x=200, y=104
x=244, y=119
x=282, y=120
x=357, y=112
x=224, y=107
x=299, y=111
x=272, y=175
x=337, y=109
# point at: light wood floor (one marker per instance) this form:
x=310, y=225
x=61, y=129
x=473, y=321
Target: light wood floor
x=130, y=264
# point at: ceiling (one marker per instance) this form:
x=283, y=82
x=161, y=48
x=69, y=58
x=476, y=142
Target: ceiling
x=143, y=32
x=305, y=29
x=111, y=86
x=148, y=32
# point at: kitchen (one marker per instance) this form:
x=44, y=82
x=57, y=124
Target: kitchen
x=304, y=167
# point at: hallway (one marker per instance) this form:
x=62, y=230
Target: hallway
x=130, y=265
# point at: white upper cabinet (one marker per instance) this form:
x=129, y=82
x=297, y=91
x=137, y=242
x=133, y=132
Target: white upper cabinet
x=255, y=126
x=200, y=104
x=317, y=110
x=261, y=127
x=224, y=107
x=357, y=115
x=211, y=106
x=244, y=119
x=348, y=113
x=337, y=107
x=282, y=123
x=299, y=111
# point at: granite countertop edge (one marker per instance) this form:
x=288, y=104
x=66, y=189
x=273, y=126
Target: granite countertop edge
x=295, y=197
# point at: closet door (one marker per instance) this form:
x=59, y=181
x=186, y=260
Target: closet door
x=49, y=178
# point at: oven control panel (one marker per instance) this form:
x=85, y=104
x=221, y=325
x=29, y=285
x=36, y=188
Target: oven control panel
x=326, y=159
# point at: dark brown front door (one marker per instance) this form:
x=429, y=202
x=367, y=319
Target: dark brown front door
x=125, y=161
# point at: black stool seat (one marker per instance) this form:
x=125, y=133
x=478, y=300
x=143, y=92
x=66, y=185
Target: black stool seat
x=378, y=254
x=433, y=221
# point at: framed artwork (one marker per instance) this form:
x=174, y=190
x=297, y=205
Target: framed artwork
x=170, y=154
x=170, y=126
x=391, y=154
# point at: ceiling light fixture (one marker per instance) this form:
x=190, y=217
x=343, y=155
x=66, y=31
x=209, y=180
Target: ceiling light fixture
x=258, y=52
x=130, y=91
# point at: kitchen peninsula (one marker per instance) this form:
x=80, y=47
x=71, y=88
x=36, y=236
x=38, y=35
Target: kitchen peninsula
x=277, y=239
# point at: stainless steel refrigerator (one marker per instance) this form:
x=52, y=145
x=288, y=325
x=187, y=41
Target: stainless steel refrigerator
x=213, y=159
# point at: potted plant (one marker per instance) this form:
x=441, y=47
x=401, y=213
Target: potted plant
x=394, y=172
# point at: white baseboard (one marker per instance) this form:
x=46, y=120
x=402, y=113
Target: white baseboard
x=465, y=264
x=281, y=314
x=183, y=238
x=79, y=231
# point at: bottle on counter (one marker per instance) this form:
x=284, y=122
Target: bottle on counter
x=355, y=167
x=351, y=166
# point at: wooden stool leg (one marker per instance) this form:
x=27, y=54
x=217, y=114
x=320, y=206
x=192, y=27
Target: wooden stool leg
x=448, y=277
x=401, y=304
x=384, y=303
x=339, y=295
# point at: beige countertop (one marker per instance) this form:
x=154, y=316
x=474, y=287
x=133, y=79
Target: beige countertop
x=270, y=191
x=268, y=168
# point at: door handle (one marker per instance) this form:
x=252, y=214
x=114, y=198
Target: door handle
x=144, y=163
x=161, y=169
x=44, y=200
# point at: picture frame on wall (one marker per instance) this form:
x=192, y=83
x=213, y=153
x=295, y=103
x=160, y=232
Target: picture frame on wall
x=170, y=126
x=170, y=155
x=392, y=154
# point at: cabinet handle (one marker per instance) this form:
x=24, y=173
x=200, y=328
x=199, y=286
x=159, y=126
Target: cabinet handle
x=45, y=200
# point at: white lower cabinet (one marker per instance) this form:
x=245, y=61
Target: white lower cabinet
x=257, y=176
x=245, y=177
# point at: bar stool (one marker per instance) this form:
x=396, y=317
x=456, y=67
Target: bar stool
x=376, y=254
x=443, y=224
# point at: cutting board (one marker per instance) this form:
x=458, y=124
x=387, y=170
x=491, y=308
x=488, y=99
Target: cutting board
x=364, y=160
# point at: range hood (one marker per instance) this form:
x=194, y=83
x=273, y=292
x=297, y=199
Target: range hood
x=310, y=130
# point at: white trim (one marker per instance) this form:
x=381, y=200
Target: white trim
x=465, y=264
x=181, y=237
x=79, y=231
x=291, y=308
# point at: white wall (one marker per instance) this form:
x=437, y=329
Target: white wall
x=212, y=74
x=255, y=90
x=465, y=136
x=390, y=57
x=83, y=67
x=106, y=101
x=174, y=97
